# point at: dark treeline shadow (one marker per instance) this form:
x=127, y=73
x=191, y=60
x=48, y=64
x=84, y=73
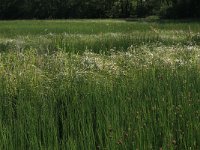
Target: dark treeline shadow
x=76, y=9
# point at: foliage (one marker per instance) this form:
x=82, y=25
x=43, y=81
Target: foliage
x=55, y=9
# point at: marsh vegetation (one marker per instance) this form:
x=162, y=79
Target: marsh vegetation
x=91, y=84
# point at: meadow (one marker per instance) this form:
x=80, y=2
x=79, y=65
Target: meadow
x=99, y=84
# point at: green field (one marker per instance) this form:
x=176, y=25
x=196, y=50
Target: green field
x=99, y=84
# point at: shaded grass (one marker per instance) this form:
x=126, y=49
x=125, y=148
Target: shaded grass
x=35, y=27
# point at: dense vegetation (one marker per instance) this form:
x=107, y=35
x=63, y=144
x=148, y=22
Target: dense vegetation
x=42, y=9
x=99, y=85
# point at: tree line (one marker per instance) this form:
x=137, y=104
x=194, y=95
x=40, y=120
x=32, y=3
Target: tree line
x=63, y=9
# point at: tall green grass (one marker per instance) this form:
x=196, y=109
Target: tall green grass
x=132, y=85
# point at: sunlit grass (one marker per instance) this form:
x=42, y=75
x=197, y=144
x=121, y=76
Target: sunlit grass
x=132, y=85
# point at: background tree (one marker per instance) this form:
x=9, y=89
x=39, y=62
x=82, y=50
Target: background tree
x=45, y=9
